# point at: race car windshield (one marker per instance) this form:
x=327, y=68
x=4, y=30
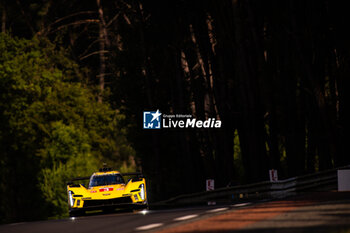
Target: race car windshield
x=102, y=180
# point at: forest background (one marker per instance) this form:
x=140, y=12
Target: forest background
x=76, y=76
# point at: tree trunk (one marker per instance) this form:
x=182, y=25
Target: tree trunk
x=3, y=19
x=103, y=44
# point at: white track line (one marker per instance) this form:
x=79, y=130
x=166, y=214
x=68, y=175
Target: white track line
x=186, y=217
x=241, y=204
x=149, y=226
x=217, y=210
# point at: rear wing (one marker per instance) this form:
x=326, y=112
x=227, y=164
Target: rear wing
x=71, y=182
x=139, y=175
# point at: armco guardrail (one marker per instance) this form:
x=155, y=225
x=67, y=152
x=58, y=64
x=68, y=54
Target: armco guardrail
x=262, y=190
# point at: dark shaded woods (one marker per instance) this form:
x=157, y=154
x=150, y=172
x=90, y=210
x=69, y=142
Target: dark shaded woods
x=274, y=72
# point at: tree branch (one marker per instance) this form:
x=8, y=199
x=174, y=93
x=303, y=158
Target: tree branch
x=93, y=53
x=85, y=21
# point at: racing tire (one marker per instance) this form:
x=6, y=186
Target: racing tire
x=76, y=213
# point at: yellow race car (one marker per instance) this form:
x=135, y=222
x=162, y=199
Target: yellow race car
x=107, y=190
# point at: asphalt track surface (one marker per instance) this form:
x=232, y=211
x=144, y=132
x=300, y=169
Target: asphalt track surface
x=315, y=212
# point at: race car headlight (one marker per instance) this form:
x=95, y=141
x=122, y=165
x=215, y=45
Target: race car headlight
x=142, y=191
x=70, y=197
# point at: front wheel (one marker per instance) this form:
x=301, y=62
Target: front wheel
x=141, y=207
x=76, y=213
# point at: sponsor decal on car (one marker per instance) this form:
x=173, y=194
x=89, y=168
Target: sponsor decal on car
x=106, y=189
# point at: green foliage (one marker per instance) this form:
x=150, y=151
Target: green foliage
x=65, y=142
x=52, y=128
x=70, y=155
